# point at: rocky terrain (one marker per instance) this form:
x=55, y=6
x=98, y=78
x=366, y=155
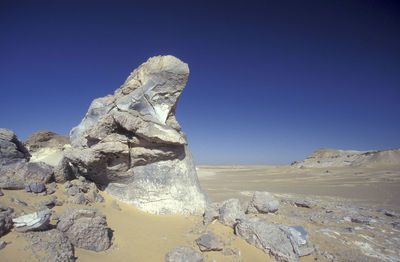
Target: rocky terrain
x=339, y=158
x=124, y=187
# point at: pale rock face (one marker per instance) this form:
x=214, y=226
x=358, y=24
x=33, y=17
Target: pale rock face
x=324, y=157
x=131, y=145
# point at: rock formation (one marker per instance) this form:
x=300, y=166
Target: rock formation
x=46, y=146
x=12, y=150
x=86, y=228
x=338, y=158
x=131, y=145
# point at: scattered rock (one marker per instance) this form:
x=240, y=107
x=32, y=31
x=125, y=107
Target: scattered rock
x=50, y=245
x=78, y=199
x=230, y=211
x=209, y=242
x=1, y=193
x=93, y=196
x=302, y=203
x=211, y=213
x=131, y=145
x=3, y=244
x=21, y=203
x=183, y=254
x=86, y=228
x=50, y=202
x=38, y=220
x=35, y=188
x=5, y=219
x=269, y=238
x=262, y=202
x=21, y=174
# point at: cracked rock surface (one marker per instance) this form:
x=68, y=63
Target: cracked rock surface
x=131, y=145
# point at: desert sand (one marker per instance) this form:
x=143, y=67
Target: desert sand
x=139, y=236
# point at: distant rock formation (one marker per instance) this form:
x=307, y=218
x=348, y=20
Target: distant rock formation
x=46, y=146
x=340, y=158
x=131, y=145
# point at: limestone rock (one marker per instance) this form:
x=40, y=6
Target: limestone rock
x=11, y=149
x=50, y=245
x=5, y=219
x=130, y=143
x=45, y=139
x=230, y=212
x=262, y=202
x=183, y=254
x=269, y=238
x=211, y=213
x=86, y=228
x=338, y=158
x=22, y=174
x=38, y=220
x=209, y=242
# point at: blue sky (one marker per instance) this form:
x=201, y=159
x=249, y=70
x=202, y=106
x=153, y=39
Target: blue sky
x=271, y=81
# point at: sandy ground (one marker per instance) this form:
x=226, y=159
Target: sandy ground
x=365, y=186
x=139, y=236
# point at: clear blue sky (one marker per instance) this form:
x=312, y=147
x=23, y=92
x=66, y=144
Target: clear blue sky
x=270, y=82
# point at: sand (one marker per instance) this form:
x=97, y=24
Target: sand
x=139, y=236
x=365, y=186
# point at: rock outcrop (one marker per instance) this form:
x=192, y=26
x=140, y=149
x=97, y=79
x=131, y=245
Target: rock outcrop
x=340, y=158
x=12, y=150
x=86, y=228
x=46, y=146
x=131, y=145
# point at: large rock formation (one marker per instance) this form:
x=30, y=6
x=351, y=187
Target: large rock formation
x=131, y=145
x=46, y=146
x=339, y=158
x=12, y=150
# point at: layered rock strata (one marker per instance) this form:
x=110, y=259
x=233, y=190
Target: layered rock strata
x=131, y=145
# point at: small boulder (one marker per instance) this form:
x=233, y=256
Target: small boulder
x=5, y=219
x=230, y=211
x=209, y=242
x=262, y=202
x=50, y=245
x=1, y=193
x=38, y=220
x=3, y=244
x=211, y=213
x=35, y=188
x=183, y=254
x=86, y=228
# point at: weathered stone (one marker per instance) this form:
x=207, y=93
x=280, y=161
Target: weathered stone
x=130, y=143
x=38, y=220
x=269, y=238
x=209, y=242
x=230, y=211
x=78, y=199
x=36, y=188
x=64, y=171
x=3, y=244
x=86, y=228
x=183, y=254
x=211, y=213
x=93, y=196
x=19, y=175
x=50, y=245
x=262, y=202
x=12, y=150
x=50, y=202
x=45, y=139
x=5, y=220
x=1, y=193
